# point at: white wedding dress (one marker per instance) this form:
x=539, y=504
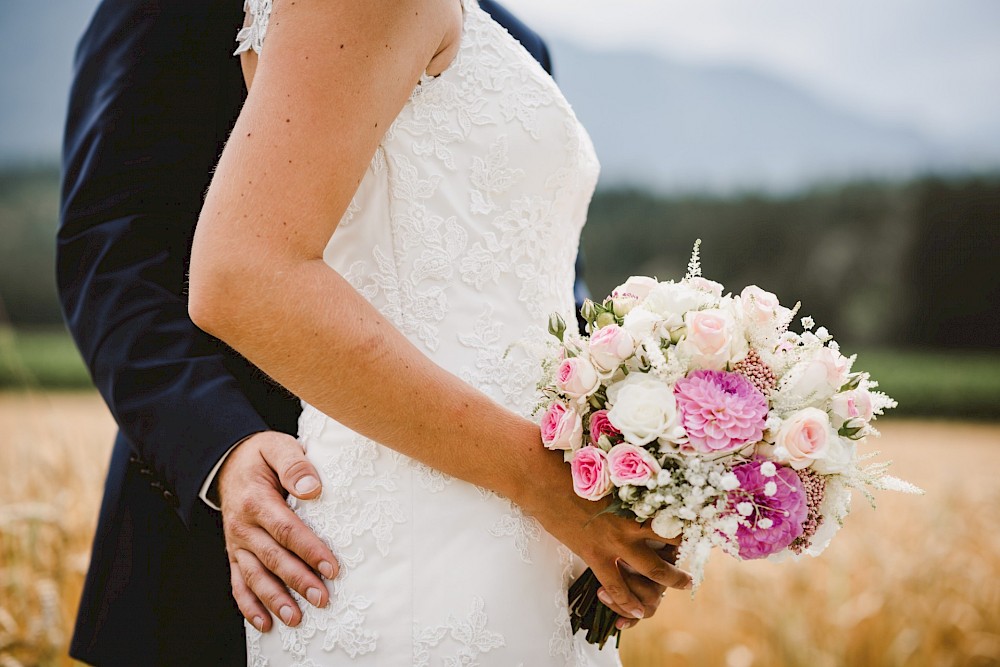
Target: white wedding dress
x=463, y=233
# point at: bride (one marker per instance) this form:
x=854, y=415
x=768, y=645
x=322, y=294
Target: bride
x=396, y=213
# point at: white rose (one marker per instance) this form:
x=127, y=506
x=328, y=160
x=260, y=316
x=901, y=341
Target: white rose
x=840, y=455
x=705, y=285
x=837, y=366
x=712, y=339
x=805, y=437
x=576, y=377
x=643, y=409
x=851, y=404
x=641, y=323
x=667, y=525
x=672, y=300
x=637, y=286
x=610, y=346
x=808, y=382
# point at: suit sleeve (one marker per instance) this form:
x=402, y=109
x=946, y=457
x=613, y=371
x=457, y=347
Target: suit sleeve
x=147, y=117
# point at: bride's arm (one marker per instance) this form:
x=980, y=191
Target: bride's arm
x=333, y=77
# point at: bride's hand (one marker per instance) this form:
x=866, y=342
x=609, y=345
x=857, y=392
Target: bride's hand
x=650, y=593
x=604, y=541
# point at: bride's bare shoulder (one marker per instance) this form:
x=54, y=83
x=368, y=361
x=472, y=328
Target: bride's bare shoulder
x=427, y=31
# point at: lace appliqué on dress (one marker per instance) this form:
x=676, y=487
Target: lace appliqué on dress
x=523, y=528
x=470, y=636
x=491, y=176
x=252, y=36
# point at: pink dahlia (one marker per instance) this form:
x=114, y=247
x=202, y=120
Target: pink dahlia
x=720, y=411
x=774, y=508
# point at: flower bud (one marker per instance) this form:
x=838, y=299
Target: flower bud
x=557, y=326
x=623, y=304
x=589, y=310
x=605, y=318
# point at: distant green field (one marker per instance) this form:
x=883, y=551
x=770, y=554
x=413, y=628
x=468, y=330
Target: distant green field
x=926, y=383
x=43, y=359
x=937, y=384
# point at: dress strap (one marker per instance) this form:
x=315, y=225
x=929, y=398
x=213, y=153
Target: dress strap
x=252, y=36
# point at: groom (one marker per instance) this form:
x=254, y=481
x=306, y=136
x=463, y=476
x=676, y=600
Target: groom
x=154, y=97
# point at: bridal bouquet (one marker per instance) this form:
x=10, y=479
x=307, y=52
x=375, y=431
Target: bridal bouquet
x=707, y=415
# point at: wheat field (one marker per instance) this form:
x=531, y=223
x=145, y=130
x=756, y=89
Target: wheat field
x=915, y=583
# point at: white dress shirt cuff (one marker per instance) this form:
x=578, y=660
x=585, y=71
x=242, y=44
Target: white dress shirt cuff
x=210, y=479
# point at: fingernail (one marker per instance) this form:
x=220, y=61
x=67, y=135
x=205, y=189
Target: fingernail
x=604, y=597
x=314, y=596
x=326, y=569
x=307, y=484
x=286, y=614
x=636, y=612
x=258, y=622
x=688, y=585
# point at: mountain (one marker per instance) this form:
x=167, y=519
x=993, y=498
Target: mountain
x=678, y=126
x=657, y=123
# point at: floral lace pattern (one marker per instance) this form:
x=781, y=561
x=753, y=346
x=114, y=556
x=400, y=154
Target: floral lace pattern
x=463, y=233
x=251, y=36
x=522, y=528
x=470, y=636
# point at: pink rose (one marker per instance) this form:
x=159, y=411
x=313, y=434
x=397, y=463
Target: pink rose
x=713, y=339
x=601, y=425
x=805, y=437
x=610, y=346
x=631, y=465
x=851, y=404
x=562, y=428
x=760, y=306
x=577, y=377
x=590, y=473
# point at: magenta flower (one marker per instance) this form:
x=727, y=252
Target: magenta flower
x=773, y=505
x=720, y=411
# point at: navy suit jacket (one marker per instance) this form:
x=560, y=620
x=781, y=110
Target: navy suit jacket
x=155, y=94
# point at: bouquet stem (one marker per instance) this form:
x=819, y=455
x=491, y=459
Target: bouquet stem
x=588, y=612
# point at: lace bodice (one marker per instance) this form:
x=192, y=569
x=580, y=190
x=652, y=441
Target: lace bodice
x=463, y=233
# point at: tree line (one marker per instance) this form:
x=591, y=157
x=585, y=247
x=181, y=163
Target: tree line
x=909, y=264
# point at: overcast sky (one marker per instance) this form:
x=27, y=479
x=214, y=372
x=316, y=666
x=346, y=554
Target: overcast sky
x=932, y=63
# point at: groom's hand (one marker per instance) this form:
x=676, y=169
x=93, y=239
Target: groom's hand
x=270, y=549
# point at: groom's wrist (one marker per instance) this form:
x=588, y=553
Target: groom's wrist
x=209, y=493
